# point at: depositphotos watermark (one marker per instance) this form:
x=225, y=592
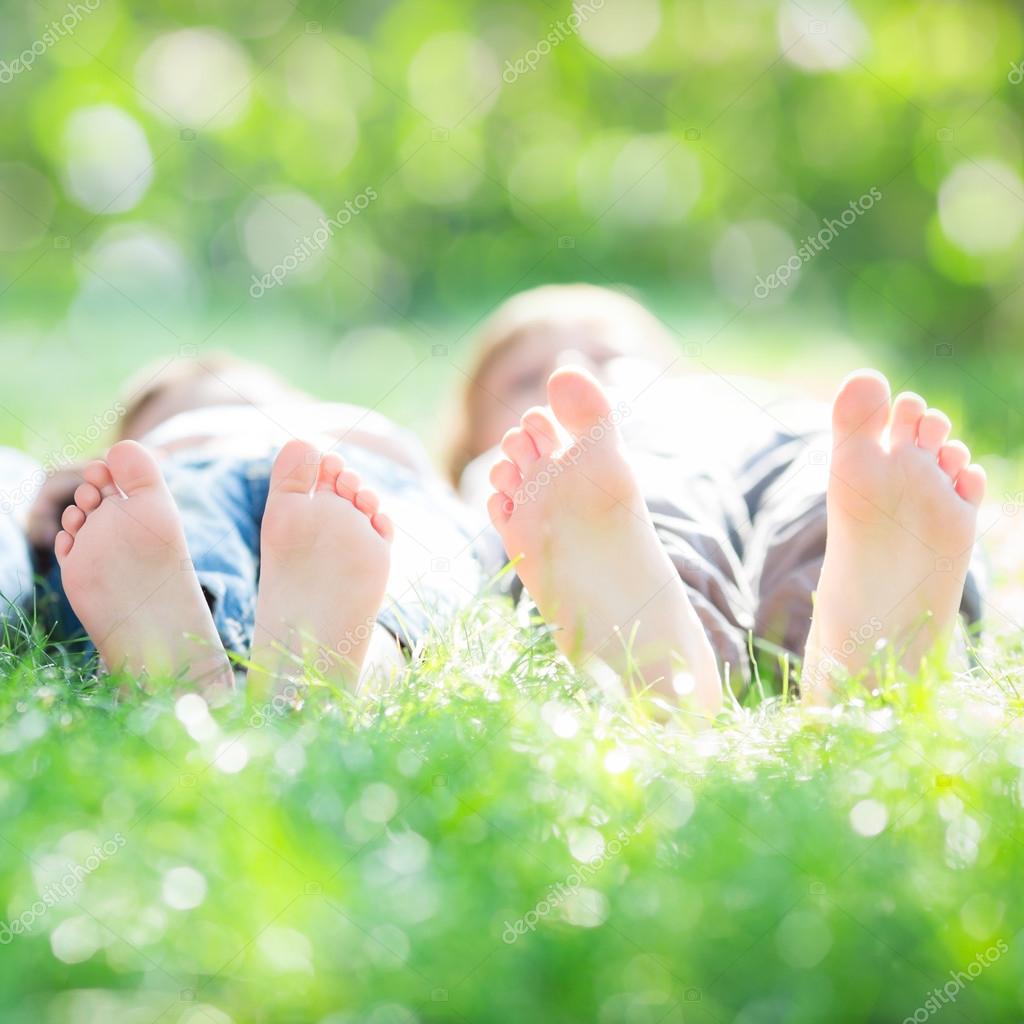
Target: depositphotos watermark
x=312, y=244
x=958, y=980
x=290, y=697
x=57, y=30
x=56, y=893
x=814, y=244
x=536, y=484
x=1013, y=503
x=69, y=454
x=559, y=31
x=1016, y=75
x=838, y=657
x=562, y=891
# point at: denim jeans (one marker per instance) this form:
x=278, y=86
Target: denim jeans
x=19, y=480
x=435, y=569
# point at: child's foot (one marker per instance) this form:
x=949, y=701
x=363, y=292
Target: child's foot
x=588, y=553
x=902, y=510
x=325, y=556
x=125, y=567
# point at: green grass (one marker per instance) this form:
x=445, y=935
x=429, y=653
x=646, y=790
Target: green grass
x=362, y=866
x=363, y=862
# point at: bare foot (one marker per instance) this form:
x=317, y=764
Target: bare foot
x=325, y=556
x=589, y=554
x=902, y=512
x=125, y=567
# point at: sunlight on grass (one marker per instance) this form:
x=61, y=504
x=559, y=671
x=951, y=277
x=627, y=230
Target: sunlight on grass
x=493, y=841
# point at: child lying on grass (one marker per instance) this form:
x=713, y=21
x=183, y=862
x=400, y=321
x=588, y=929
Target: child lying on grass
x=657, y=523
x=16, y=472
x=653, y=530
x=248, y=519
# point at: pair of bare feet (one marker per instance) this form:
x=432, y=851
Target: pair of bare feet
x=127, y=572
x=902, y=511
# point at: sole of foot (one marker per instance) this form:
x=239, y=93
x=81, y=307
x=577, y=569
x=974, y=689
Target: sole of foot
x=570, y=513
x=126, y=571
x=902, y=519
x=325, y=554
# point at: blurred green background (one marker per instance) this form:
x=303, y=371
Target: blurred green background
x=160, y=157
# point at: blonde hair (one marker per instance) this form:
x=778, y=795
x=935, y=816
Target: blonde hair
x=250, y=383
x=547, y=306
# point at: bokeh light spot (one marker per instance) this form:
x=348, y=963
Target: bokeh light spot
x=108, y=165
x=196, y=77
x=981, y=206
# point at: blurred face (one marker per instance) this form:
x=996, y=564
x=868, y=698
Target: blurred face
x=232, y=386
x=517, y=379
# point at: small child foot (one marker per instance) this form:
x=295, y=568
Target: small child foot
x=126, y=571
x=588, y=552
x=325, y=554
x=902, y=515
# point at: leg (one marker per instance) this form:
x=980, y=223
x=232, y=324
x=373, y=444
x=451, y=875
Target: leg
x=384, y=660
x=18, y=481
x=437, y=567
x=697, y=516
x=902, y=513
x=325, y=555
x=587, y=549
x=125, y=568
x=785, y=481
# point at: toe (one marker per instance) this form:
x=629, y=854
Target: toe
x=331, y=467
x=295, y=468
x=933, y=431
x=349, y=484
x=578, y=401
x=368, y=502
x=383, y=525
x=538, y=424
x=970, y=484
x=862, y=406
x=88, y=498
x=907, y=411
x=98, y=475
x=518, y=447
x=499, y=508
x=133, y=468
x=72, y=520
x=954, y=458
x=505, y=478
x=62, y=545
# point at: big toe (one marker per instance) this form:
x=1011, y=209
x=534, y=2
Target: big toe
x=295, y=469
x=577, y=399
x=133, y=468
x=862, y=406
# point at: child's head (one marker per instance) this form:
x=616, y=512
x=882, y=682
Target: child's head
x=163, y=390
x=528, y=338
